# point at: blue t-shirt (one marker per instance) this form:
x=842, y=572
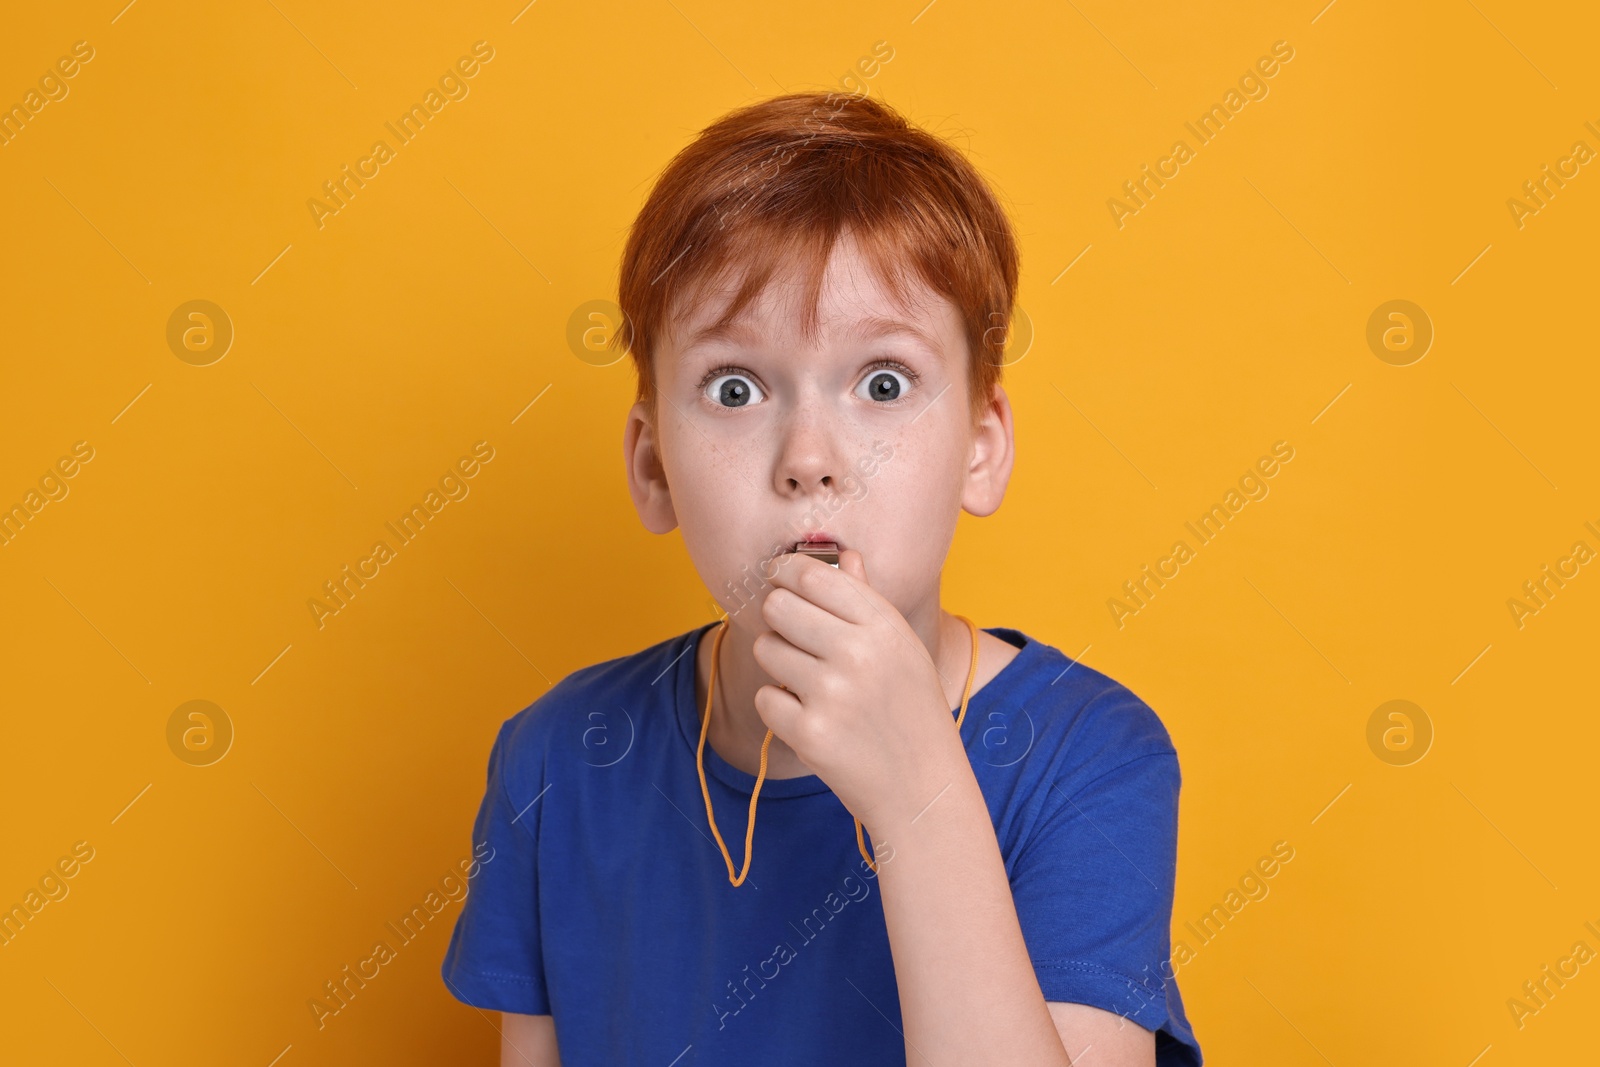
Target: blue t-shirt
x=606, y=902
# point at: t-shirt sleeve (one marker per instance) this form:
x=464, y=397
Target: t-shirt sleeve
x=1093, y=883
x=494, y=960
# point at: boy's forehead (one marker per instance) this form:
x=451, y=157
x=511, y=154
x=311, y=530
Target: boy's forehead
x=854, y=306
x=843, y=329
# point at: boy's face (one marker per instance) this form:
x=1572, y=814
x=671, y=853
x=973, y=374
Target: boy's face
x=863, y=437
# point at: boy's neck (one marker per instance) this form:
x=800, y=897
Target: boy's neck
x=737, y=729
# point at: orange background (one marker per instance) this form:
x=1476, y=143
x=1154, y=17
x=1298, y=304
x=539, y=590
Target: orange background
x=1230, y=312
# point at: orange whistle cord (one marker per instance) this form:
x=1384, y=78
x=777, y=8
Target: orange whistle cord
x=761, y=774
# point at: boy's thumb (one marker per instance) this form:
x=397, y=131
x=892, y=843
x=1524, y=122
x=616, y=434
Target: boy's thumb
x=852, y=563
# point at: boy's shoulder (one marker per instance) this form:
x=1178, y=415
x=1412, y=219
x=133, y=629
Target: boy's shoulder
x=1093, y=720
x=579, y=708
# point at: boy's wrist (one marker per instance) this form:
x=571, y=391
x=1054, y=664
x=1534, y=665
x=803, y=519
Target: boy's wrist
x=916, y=800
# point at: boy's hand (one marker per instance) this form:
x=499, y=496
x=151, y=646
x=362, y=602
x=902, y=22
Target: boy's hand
x=862, y=703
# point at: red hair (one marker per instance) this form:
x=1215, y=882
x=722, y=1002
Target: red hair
x=772, y=185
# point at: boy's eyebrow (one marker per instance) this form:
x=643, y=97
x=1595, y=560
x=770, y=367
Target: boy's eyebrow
x=874, y=326
x=728, y=331
x=867, y=328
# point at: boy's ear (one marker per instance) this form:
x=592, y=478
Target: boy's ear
x=647, y=477
x=993, y=451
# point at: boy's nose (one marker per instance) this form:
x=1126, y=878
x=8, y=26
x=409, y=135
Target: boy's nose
x=809, y=460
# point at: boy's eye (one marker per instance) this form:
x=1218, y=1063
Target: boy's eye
x=732, y=390
x=887, y=383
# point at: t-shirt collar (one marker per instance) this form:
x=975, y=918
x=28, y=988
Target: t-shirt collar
x=686, y=652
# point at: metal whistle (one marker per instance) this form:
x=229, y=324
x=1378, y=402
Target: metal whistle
x=826, y=551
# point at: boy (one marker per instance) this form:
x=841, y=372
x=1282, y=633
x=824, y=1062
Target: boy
x=811, y=295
